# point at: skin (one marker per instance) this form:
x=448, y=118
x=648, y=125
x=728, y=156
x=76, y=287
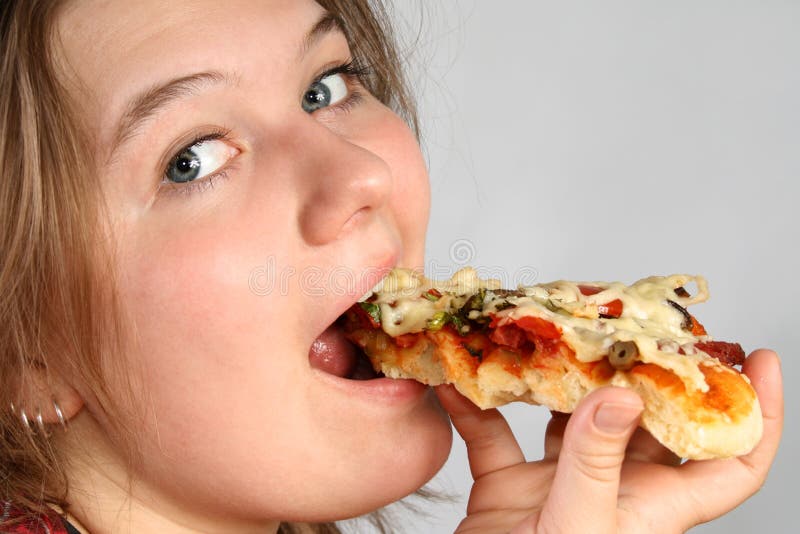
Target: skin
x=602, y=475
x=224, y=366
x=236, y=430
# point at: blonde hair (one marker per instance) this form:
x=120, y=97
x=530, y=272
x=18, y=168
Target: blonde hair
x=48, y=294
x=55, y=314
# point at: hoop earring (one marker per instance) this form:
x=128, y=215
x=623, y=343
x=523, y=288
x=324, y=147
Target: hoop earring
x=25, y=420
x=60, y=415
x=40, y=423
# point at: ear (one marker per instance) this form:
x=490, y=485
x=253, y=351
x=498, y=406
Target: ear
x=49, y=395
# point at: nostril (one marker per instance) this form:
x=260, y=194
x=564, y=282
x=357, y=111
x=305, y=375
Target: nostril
x=356, y=218
x=320, y=224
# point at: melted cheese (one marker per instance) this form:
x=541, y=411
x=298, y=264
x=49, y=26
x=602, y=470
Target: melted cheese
x=403, y=311
x=647, y=319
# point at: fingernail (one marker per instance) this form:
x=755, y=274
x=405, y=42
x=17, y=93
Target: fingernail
x=616, y=418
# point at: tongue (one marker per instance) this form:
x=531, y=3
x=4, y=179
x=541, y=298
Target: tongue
x=332, y=353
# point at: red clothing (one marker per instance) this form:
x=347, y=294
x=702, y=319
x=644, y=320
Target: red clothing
x=42, y=524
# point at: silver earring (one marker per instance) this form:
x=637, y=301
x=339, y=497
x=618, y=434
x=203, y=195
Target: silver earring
x=24, y=417
x=13, y=408
x=60, y=415
x=40, y=423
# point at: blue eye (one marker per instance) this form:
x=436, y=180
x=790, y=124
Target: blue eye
x=330, y=90
x=199, y=160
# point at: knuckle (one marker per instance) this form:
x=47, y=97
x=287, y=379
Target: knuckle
x=489, y=436
x=596, y=465
x=756, y=473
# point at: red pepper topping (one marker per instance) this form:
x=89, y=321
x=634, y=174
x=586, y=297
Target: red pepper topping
x=697, y=328
x=539, y=327
x=728, y=353
x=368, y=313
x=406, y=340
x=610, y=310
x=588, y=291
x=509, y=335
x=432, y=294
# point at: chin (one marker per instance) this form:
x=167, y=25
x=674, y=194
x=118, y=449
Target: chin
x=377, y=439
x=393, y=459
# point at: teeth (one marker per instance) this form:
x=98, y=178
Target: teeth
x=375, y=289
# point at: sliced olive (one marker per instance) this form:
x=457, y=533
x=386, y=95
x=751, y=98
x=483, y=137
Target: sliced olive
x=681, y=292
x=687, y=317
x=622, y=355
x=475, y=302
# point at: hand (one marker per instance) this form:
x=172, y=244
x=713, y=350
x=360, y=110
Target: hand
x=599, y=473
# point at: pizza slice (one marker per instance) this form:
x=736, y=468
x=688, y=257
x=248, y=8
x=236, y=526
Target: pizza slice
x=554, y=343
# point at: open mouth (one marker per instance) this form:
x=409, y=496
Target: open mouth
x=334, y=354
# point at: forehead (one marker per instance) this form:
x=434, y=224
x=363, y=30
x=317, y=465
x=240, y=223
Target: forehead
x=116, y=47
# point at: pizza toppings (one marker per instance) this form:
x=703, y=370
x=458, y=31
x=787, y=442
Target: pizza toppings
x=432, y=294
x=728, y=353
x=369, y=313
x=610, y=310
x=643, y=322
x=622, y=355
x=589, y=290
x=681, y=292
x=540, y=328
x=511, y=336
x=687, y=317
x=438, y=320
x=552, y=343
x=697, y=329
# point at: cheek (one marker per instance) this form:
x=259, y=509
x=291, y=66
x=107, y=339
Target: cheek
x=194, y=316
x=223, y=372
x=218, y=361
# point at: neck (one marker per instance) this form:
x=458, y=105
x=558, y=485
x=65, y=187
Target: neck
x=105, y=498
x=72, y=520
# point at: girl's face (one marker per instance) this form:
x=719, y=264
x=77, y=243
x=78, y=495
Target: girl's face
x=256, y=191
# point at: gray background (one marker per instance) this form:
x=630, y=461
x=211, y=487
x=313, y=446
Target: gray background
x=614, y=140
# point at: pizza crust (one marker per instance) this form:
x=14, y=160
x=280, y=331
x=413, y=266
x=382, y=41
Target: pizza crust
x=722, y=422
x=554, y=343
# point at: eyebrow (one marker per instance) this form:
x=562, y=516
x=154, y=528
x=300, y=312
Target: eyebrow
x=147, y=104
x=326, y=24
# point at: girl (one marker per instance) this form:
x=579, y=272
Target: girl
x=192, y=193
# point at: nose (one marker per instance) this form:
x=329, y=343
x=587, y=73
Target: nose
x=343, y=185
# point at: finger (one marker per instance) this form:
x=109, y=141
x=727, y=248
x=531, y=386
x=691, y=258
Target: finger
x=763, y=367
x=643, y=447
x=490, y=443
x=716, y=486
x=554, y=435
x=523, y=486
x=589, y=465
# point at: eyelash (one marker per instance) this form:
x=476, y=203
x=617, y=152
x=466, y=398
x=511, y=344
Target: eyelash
x=352, y=70
x=195, y=186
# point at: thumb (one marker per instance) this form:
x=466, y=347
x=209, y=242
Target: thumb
x=583, y=497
